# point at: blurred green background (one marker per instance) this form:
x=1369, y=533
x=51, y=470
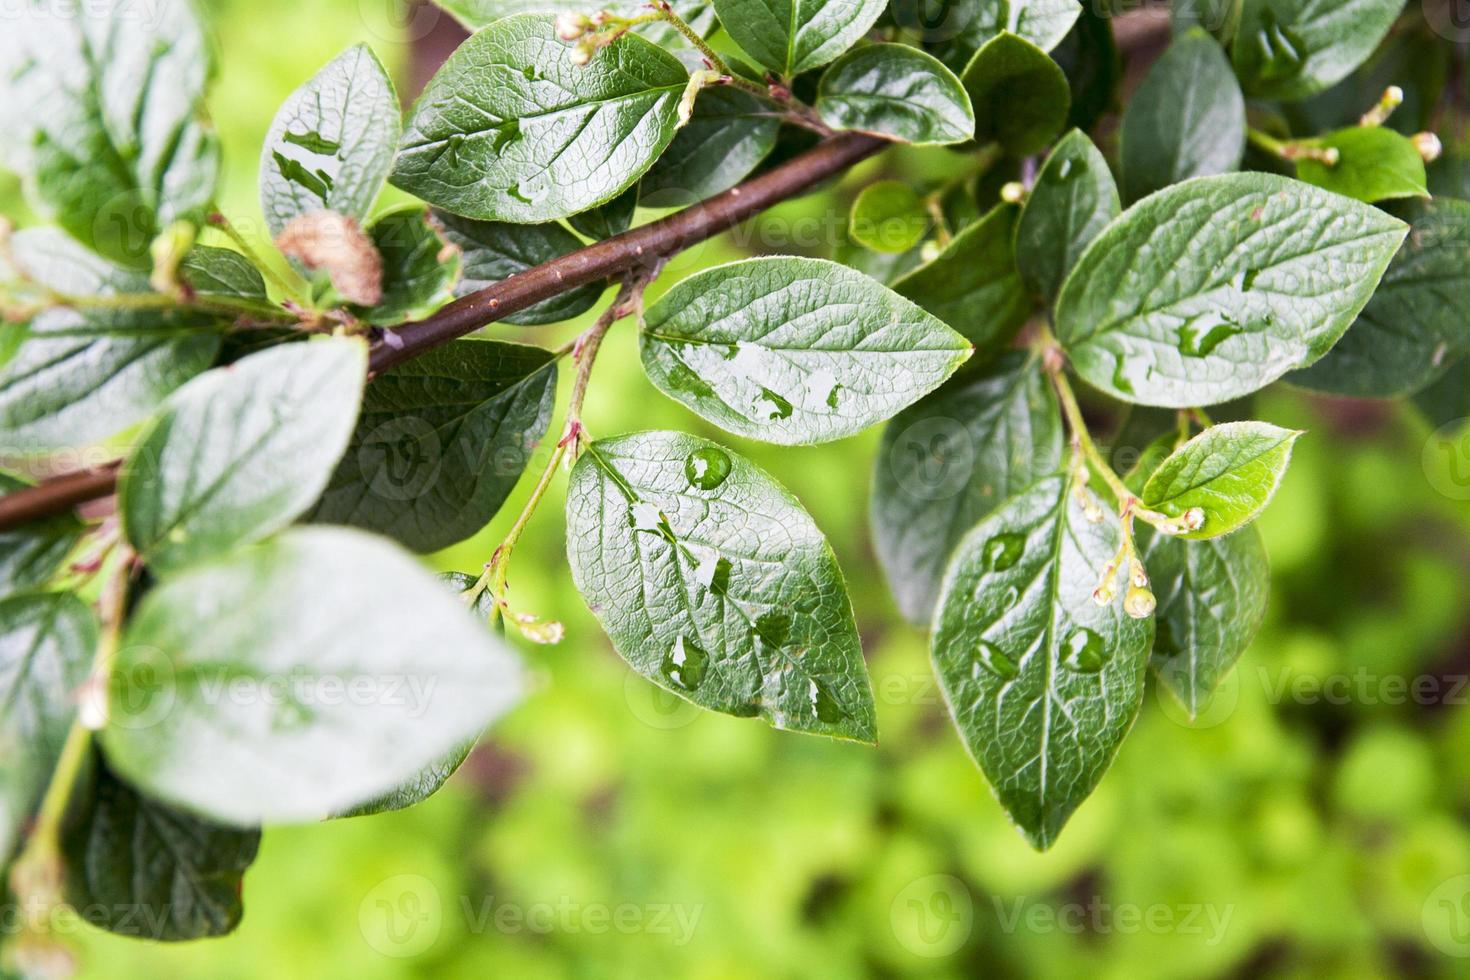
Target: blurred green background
x=1312, y=823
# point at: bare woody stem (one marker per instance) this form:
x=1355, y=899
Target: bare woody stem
x=640, y=249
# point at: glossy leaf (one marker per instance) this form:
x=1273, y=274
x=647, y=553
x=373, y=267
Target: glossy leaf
x=1073, y=199
x=441, y=442
x=146, y=870
x=331, y=144
x=509, y=129
x=973, y=285
x=793, y=36
x=298, y=678
x=1290, y=49
x=967, y=24
x=1187, y=118
x=715, y=584
x=31, y=554
x=1089, y=57
x=240, y=452
x=1042, y=682
x=491, y=251
x=1374, y=164
x=114, y=145
x=898, y=92
x=1418, y=322
x=1215, y=287
x=1211, y=601
x=47, y=641
x=417, y=278
x=698, y=14
x=726, y=138
x=1228, y=472
x=1020, y=96
x=951, y=459
x=793, y=350
x=887, y=216
x=219, y=273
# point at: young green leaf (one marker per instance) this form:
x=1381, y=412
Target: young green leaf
x=1225, y=475
x=1215, y=287
x=1042, y=682
x=509, y=129
x=728, y=136
x=973, y=284
x=1211, y=600
x=219, y=273
x=887, y=216
x=416, y=280
x=1414, y=327
x=1374, y=164
x=441, y=442
x=607, y=220
x=1073, y=200
x=79, y=378
x=31, y=554
x=332, y=142
x=240, y=452
x=1290, y=49
x=793, y=36
x=794, y=350
x=46, y=642
x=968, y=24
x=490, y=251
x=715, y=584
x=948, y=461
x=898, y=92
x=1187, y=118
x=1020, y=96
x=698, y=14
x=147, y=870
x=103, y=116
x=417, y=788
x=278, y=685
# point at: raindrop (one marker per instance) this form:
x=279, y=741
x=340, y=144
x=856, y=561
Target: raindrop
x=1084, y=651
x=780, y=407
x=707, y=468
x=989, y=659
x=1204, y=333
x=824, y=704
x=685, y=664
x=1003, y=551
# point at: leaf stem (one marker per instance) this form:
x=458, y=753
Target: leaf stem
x=1293, y=150
x=665, y=11
x=296, y=291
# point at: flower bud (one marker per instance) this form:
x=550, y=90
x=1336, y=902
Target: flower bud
x=569, y=27
x=581, y=54
x=1013, y=192
x=1104, y=593
x=1193, y=519
x=1139, y=602
x=1428, y=145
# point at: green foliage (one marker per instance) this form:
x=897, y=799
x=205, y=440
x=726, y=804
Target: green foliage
x=897, y=92
x=1228, y=472
x=792, y=36
x=1372, y=164
x=1074, y=199
x=1020, y=96
x=888, y=216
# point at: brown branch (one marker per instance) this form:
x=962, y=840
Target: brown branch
x=644, y=247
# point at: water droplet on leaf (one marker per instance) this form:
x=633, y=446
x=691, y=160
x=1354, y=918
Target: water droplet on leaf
x=1002, y=551
x=707, y=468
x=685, y=664
x=824, y=704
x=1202, y=334
x=989, y=659
x=1084, y=651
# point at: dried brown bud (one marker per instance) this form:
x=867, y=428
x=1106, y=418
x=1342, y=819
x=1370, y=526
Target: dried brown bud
x=334, y=242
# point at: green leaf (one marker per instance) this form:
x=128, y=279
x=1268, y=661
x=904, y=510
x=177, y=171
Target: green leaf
x=698, y=14
x=32, y=553
x=415, y=279
x=510, y=130
x=793, y=350
x=967, y=24
x=715, y=584
x=793, y=36
x=1187, y=118
x=1019, y=95
x=1374, y=164
x=1211, y=600
x=728, y=136
x=948, y=461
x=1216, y=287
x=103, y=115
x=1089, y=57
x=51, y=258
x=78, y=379
x=331, y=144
x=441, y=442
x=1042, y=682
x=973, y=284
x=240, y=452
x=898, y=92
x=1290, y=49
x=219, y=273
x=46, y=644
x=419, y=787
x=887, y=216
x=1072, y=201
x=1448, y=399
x=298, y=678
x=143, y=869
x=1228, y=472
x=491, y=251
x=1415, y=326
x=607, y=220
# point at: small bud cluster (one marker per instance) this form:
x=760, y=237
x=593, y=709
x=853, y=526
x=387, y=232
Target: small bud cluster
x=1191, y=520
x=587, y=32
